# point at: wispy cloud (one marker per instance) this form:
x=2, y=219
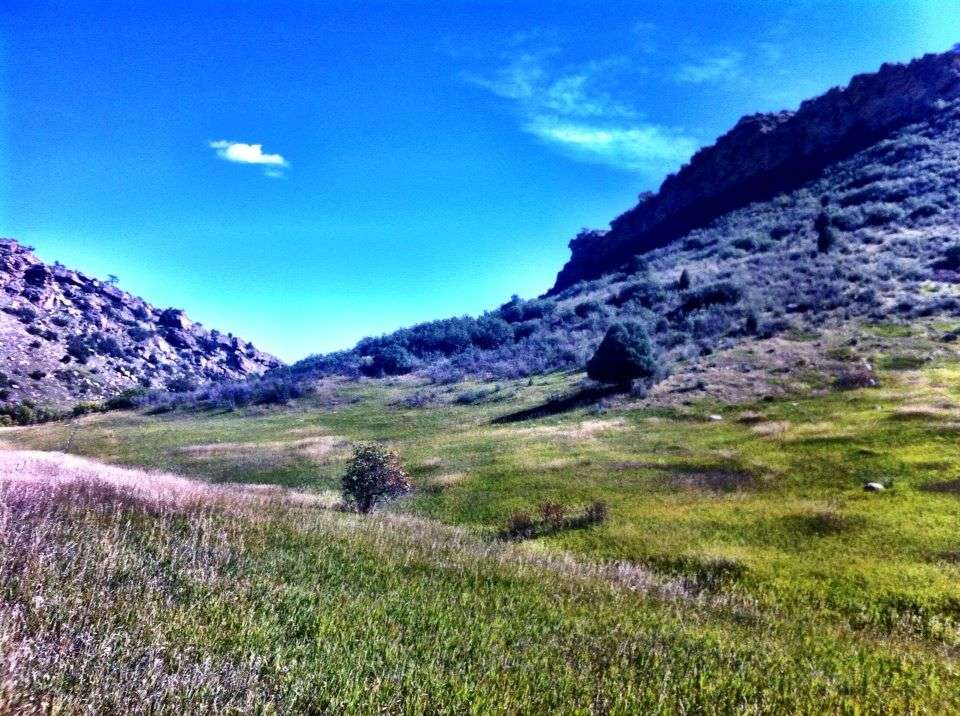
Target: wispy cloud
x=243, y=153
x=575, y=108
x=723, y=66
x=646, y=148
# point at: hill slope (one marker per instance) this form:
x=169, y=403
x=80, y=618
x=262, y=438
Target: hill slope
x=848, y=208
x=767, y=153
x=65, y=336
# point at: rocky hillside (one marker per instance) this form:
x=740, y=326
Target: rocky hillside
x=766, y=154
x=66, y=337
x=846, y=211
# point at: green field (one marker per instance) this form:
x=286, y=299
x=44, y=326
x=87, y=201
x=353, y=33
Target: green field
x=800, y=591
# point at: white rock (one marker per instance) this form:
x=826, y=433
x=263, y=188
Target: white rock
x=716, y=417
x=874, y=487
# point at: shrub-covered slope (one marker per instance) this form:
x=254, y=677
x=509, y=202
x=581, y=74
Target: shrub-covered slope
x=874, y=236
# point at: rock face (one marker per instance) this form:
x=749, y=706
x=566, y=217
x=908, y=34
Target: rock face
x=66, y=337
x=766, y=154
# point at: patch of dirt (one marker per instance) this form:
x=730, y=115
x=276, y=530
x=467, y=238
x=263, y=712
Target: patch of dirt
x=949, y=487
x=448, y=479
x=712, y=479
x=583, y=430
x=771, y=429
x=923, y=412
x=315, y=447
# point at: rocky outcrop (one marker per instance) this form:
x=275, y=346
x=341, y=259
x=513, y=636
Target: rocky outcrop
x=67, y=337
x=766, y=154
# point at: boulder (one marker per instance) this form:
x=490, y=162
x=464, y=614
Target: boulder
x=873, y=487
x=37, y=275
x=174, y=318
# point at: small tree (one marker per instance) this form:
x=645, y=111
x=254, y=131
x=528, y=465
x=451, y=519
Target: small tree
x=825, y=236
x=373, y=474
x=683, y=283
x=624, y=354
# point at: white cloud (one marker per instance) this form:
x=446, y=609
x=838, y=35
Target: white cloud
x=574, y=108
x=243, y=153
x=721, y=67
x=645, y=148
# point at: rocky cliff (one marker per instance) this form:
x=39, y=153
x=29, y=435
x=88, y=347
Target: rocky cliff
x=67, y=337
x=766, y=154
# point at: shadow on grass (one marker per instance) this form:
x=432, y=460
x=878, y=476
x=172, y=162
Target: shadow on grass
x=562, y=404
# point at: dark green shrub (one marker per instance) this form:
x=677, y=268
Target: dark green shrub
x=519, y=525
x=78, y=349
x=719, y=293
x=127, y=400
x=372, y=475
x=552, y=514
x=624, y=354
x=86, y=409
x=825, y=234
x=950, y=260
x=181, y=384
x=588, y=308
x=390, y=360
x=491, y=332
x=683, y=283
x=596, y=512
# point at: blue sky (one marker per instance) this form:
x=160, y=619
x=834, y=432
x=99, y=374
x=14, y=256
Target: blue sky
x=307, y=173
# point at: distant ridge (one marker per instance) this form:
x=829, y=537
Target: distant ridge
x=765, y=154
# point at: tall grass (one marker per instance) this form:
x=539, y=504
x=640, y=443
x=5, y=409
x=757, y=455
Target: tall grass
x=134, y=593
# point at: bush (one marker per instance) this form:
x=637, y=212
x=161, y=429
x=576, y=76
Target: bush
x=78, y=349
x=719, y=293
x=596, y=512
x=86, y=409
x=516, y=310
x=390, y=360
x=683, y=283
x=519, y=525
x=825, y=235
x=127, y=400
x=181, y=384
x=950, y=260
x=491, y=332
x=373, y=474
x=107, y=345
x=27, y=412
x=624, y=354
x=588, y=308
x=552, y=514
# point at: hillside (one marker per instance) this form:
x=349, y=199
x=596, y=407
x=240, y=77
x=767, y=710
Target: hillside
x=765, y=154
x=66, y=337
x=848, y=208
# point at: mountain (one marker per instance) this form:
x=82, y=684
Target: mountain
x=846, y=210
x=67, y=337
x=765, y=154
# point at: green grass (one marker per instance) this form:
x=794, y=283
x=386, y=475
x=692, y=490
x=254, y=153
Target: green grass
x=113, y=606
x=682, y=489
x=771, y=495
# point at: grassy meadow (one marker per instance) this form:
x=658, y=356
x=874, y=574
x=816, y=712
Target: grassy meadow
x=771, y=579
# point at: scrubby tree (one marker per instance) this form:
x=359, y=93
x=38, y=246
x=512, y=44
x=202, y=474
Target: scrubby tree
x=683, y=283
x=825, y=235
x=373, y=474
x=625, y=354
